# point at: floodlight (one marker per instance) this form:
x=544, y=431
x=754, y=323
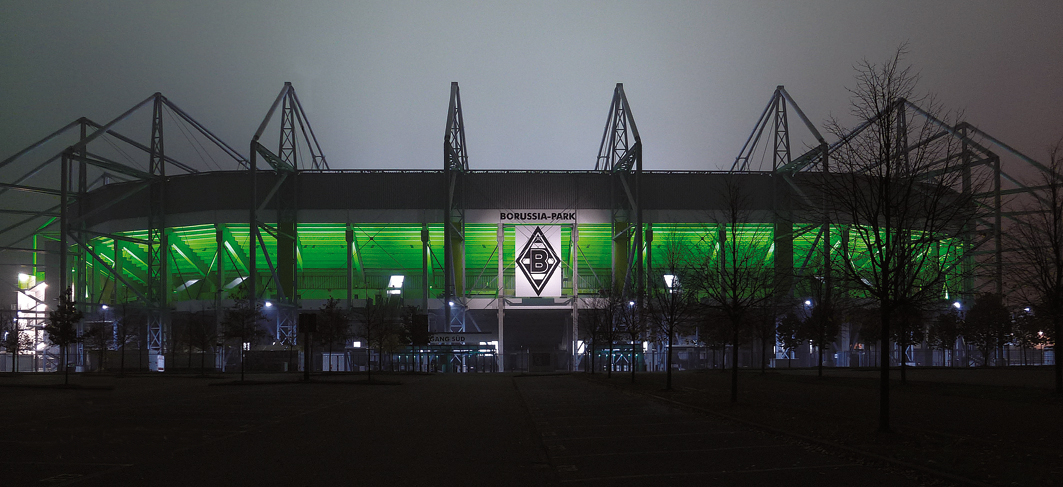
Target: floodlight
x=23, y=277
x=630, y=303
x=957, y=305
x=450, y=303
x=808, y=302
x=269, y=304
x=103, y=306
x=1026, y=309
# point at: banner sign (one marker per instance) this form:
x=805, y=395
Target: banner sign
x=537, y=216
x=538, y=262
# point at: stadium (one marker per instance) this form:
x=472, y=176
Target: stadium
x=503, y=268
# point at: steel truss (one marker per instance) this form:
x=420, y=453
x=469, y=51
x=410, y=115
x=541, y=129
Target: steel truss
x=82, y=167
x=284, y=196
x=620, y=156
x=985, y=247
x=455, y=165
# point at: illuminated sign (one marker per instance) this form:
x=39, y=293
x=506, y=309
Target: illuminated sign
x=536, y=216
x=538, y=260
x=446, y=339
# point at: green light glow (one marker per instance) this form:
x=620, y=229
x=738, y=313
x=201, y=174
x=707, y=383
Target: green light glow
x=382, y=250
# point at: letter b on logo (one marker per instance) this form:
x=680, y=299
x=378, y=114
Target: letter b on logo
x=540, y=260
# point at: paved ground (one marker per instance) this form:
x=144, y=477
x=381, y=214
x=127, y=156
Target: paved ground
x=601, y=436
x=487, y=429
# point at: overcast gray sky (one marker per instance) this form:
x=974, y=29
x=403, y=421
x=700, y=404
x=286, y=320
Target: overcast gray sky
x=536, y=77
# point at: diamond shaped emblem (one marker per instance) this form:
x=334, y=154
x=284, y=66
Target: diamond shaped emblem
x=538, y=261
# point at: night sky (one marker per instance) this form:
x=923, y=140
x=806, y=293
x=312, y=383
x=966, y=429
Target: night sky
x=536, y=77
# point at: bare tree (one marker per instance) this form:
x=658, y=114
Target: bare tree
x=789, y=333
x=762, y=324
x=894, y=186
x=821, y=328
x=943, y=333
x=127, y=328
x=670, y=305
x=243, y=324
x=97, y=337
x=593, y=330
x=1038, y=263
x=1027, y=333
x=333, y=327
x=380, y=320
x=738, y=276
x=604, y=310
x=202, y=334
x=987, y=322
x=907, y=330
x=62, y=329
x=15, y=338
x=633, y=322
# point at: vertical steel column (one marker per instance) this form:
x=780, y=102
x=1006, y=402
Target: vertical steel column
x=967, y=265
x=252, y=228
x=574, y=255
x=287, y=225
x=158, y=285
x=828, y=283
x=500, y=353
x=64, y=183
x=425, y=262
x=81, y=296
x=781, y=156
x=219, y=238
x=640, y=244
x=998, y=276
x=455, y=163
x=349, y=236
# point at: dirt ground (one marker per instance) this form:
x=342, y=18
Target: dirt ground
x=994, y=426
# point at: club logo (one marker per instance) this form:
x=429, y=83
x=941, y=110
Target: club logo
x=538, y=261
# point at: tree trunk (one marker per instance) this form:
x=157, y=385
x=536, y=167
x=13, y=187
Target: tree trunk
x=592, y=357
x=63, y=354
x=668, y=363
x=904, y=351
x=632, y=361
x=884, y=372
x=734, y=362
x=609, y=373
x=1056, y=342
x=763, y=355
x=819, y=351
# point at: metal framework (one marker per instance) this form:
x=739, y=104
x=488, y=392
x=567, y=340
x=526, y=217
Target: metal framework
x=57, y=222
x=283, y=194
x=984, y=242
x=94, y=160
x=455, y=165
x=620, y=155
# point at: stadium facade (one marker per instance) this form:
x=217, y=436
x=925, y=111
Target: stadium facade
x=503, y=263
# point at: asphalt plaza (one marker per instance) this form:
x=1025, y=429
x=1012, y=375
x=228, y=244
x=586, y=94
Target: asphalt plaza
x=472, y=429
